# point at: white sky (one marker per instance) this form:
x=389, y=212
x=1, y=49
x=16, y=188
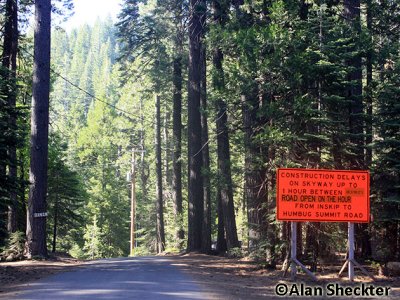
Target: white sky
x=87, y=11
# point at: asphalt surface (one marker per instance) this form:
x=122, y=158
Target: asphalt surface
x=124, y=278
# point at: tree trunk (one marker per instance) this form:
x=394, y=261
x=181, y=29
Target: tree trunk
x=55, y=221
x=221, y=241
x=356, y=122
x=352, y=15
x=196, y=205
x=160, y=204
x=368, y=99
x=225, y=178
x=398, y=239
x=36, y=225
x=144, y=170
x=206, y=238
x=299, y=245
x=223, y=146
x=272, y=227
x=144, y=167
x=303, y=13
x=21, y=222
x=177, y=140
x=177, y=122
x=284, y=235
x=254, y=177
x=9, y=89
x=168, y=156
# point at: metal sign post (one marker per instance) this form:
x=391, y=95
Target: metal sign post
x=316, y=195
x=350, y=261
x=313, y=195
x=294, y=262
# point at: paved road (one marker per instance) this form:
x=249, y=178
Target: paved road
x=124, y=278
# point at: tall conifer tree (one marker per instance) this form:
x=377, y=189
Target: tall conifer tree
x=36, y=219
x=8, y=118
x=220, y=11
x=197, y=10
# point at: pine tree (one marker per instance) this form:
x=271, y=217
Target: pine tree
x=195, y=189
x=160, y=201
x=224, y=160
x=9, y=88
x=66, y=196
x=92, y=240
x=36, y=226
x=205, y=152
x=177, y=118
x=385, y=183
x=8, y=120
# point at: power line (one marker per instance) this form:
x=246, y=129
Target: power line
x=89, y=94
x=127, y=114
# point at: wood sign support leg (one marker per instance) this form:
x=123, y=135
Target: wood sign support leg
x=351, y=262
x=293, y=263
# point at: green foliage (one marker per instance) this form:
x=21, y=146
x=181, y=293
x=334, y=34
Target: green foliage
x=387, y=171
x=8, y=139
x=15, y=246
x=235, y=253
x=92, y=241
x=66, y=197
x=87, y=147
x=292, y=61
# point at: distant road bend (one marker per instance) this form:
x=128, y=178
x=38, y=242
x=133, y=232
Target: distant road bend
x=123, y=278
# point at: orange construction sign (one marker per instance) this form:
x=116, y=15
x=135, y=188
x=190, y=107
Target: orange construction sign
x=323, y=195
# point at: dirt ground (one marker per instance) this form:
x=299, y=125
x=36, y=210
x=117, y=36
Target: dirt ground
x=243, y=279
x=224, y=278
